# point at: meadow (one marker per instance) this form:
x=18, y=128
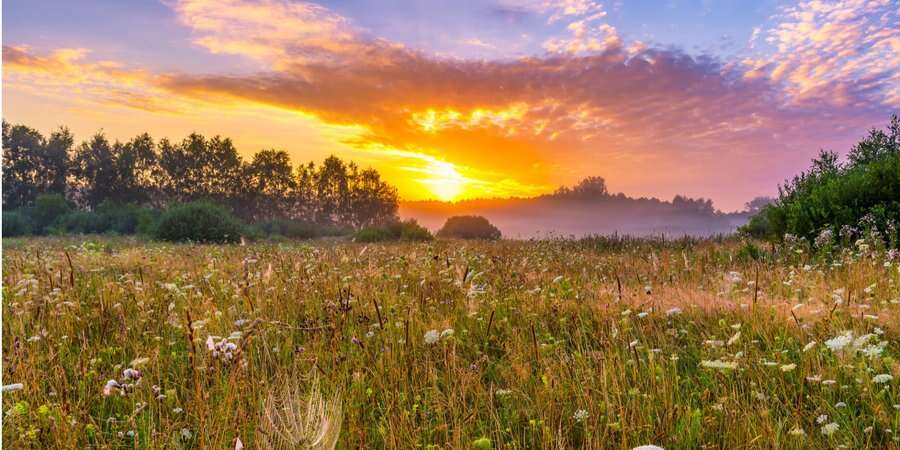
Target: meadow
x=595, y=343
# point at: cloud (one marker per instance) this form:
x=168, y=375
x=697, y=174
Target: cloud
x=592, y=105
x=66, y=71
x=838, y=52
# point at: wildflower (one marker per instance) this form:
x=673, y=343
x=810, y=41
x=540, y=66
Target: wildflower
x=882, y=378
x=132, y=374
x=734, y=339
x=809, y=346
x=581, y=415
x=221, y=347
x=821, y=419
x=719, y=364
x=503, y=392
x=186, y=434
x=673, y=312
x=837, y=343
x=110, y=387
x=829, y=429
x=447, y=333
x=829, y=382
x=648, y=447
x=432, y=336
x=873, y=351
x=13, y=387
x=797, y=431
x=788, y=367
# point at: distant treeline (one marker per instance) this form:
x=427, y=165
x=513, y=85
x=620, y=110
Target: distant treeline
x=153, y=174
x=588, y=208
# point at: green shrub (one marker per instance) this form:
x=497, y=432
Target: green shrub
x=469, y=227
x=108, y=218
x=408, y=230
x=46, y=210
x=199, y=222
x=16, y=223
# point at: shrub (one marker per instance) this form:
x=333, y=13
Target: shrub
x=46, y=210
x=408, y=230
x=468, y=227
x=198, y=222
x=16, y=223
x=108, y=218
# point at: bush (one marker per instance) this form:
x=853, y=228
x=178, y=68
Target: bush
x=16, y=223
x=408, y=230
x=108, y=218
x=469, y=227
x=199, y=222
x=46, y=210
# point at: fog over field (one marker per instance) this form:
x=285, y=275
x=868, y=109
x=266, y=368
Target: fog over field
x=586, y=209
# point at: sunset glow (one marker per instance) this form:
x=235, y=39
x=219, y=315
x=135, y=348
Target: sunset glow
x=496, y=98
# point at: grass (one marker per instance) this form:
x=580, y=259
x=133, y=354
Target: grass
x=598, y=343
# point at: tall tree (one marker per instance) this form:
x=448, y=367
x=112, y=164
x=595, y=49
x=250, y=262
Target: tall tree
x=270, y=185
x=33, y=165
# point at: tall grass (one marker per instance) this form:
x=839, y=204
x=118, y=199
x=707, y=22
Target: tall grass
x=447, y=344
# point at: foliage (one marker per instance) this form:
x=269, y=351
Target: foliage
x=846, y=199
x=199, y=221
x=468, y=227
x=16, y=223
x=408, y=230
x=33, y=165
x=108, y=218
x=47, y=209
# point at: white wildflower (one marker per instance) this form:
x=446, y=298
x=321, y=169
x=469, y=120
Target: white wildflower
x=719, y=364
x=432, y=336
x=829, y=429
x=581, y=415
x=882, y=378
x=788, y=367
x=809, y=346
x=837, y=343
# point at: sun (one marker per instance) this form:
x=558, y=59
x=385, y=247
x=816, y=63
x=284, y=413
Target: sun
x=444, y=181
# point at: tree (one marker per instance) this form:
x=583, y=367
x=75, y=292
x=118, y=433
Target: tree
x=198, y=168
x=332, y=191
x=372, y=201
x=270, y=185
x=32, y=165
x=589, y=188
x=757, y=204
x=120, y=173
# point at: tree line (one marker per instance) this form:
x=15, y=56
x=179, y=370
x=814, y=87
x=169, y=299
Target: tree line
x=158, y=174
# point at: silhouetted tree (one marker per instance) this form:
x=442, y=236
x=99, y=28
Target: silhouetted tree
x=32, y=165
x=270, y=185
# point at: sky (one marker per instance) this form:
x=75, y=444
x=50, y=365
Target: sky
x=720, y=99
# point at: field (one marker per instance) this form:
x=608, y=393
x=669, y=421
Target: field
x=600, y=343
